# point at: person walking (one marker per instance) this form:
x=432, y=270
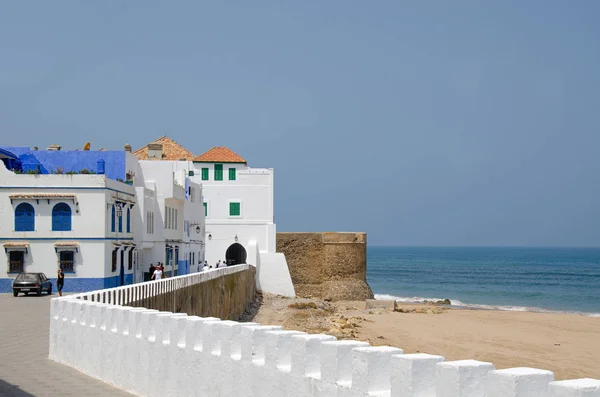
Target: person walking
x=158, y=273
x=60, y=281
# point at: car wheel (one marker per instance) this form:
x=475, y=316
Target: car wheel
x=39, y=292
x=15, y=292
x=50, y=291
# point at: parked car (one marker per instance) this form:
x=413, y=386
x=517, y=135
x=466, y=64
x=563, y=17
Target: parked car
x=32, y=282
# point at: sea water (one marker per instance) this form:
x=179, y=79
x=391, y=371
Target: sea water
x=522, y=279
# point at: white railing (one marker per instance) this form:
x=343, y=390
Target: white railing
x=153, y=353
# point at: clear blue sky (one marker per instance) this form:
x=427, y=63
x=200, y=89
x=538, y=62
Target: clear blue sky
x=421, y=123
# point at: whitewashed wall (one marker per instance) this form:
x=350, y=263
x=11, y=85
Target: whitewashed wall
x=209, y=357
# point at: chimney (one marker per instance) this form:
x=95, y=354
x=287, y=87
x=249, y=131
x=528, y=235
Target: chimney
x=155, y=150
x=128, y=148
x=54, y=147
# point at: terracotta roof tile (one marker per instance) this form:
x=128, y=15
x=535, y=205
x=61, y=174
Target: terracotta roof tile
x=41, y=196
x=220, y=154
x=171, y=150
x=67, y=244
x=16, y=245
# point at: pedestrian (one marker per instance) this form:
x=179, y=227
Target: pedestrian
x=205, y=268
x=218, y=265
x=158, y=274
x=60, y=281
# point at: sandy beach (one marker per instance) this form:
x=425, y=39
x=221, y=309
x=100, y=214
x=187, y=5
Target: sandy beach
x=568, y=345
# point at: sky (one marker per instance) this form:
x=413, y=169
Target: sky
x=463, y=123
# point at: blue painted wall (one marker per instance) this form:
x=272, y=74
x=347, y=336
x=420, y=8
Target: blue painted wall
x=49, y=160
x=75, y=284
x=183, y=267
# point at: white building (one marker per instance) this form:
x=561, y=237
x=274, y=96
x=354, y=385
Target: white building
x=103, y=222
x=82, y=223
x=170, y=227
x=238, y=206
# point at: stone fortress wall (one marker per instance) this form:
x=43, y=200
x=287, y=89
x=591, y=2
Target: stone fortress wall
x=327, y=265
x=98, y=334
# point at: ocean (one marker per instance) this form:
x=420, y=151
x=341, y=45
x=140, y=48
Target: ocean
x=521, y=279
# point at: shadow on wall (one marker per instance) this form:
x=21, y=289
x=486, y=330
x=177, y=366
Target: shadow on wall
x=10, y=390
x=252, y=309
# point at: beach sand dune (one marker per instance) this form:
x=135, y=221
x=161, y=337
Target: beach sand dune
x=568, y=345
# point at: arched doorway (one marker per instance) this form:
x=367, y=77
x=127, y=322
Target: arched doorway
x=235, y=254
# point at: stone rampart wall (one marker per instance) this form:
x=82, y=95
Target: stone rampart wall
x=153, y=353
x=327, y=265
x=225, y=296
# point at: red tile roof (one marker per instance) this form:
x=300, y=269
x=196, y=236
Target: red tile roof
x=67, y=244
x=171, y=150
x=220, y=154
x=16, y=245
x=41, y=196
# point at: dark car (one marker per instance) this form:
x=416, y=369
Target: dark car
x=32, y=282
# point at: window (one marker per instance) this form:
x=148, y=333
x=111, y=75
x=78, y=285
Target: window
x=205, y=174
x=232, y=174
x=67, y=260
x=128, y=220
x=61, y=218
x=121, y=223
x=234, y=209
x=218, y=172
x=150, y=222
x=205, y=209
x=175, y=223
x=24, y=218
x=130, y=259
x=16, y=261
x=112, y=219
x=114, y=261
x=166, y=217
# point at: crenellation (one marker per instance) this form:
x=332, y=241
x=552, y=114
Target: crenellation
x=127, y=346
x=371, y=370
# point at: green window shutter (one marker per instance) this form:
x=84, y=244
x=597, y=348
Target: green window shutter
x=232, y=174
x=234, y=209
x=205, y=209
x=218, y=172
x=205, y=174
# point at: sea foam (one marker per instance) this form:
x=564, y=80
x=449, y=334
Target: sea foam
x=459, y=304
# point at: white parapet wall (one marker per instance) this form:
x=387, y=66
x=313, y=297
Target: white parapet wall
x=153, y=353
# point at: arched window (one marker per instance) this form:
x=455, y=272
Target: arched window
x=128, y=221
x=24, y=218
x=112, y=219
x=61, y=218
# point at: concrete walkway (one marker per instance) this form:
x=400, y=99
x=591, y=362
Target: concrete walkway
x=25, y=369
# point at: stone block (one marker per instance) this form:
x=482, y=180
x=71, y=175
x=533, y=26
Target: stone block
x=575, y=388
x=381, y=304
x=371, y=368
x=518, y=382
x=465, y=378
x=413, y=375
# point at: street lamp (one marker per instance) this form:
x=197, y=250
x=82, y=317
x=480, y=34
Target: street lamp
x=236, y=238
x=210, y=237
x=119, y=210
x=197, y=229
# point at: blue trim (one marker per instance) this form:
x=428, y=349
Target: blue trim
x=70, y=187
x=66, y=238
x=73, y=284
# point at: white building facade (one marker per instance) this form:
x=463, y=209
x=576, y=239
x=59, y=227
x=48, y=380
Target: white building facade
x=171, y=220
x=81, y=223
x=238, y=206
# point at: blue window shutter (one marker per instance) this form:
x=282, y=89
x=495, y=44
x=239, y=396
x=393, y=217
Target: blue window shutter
x=24, y=218
x=61, y=217
x=128, y=220
x=112, y=219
